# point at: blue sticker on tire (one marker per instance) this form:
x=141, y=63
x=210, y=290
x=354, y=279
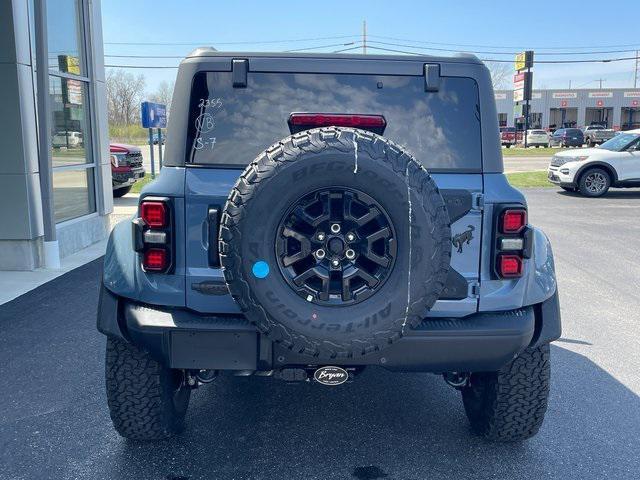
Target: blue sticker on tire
x=260, y=269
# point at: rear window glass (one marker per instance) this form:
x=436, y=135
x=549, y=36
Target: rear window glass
x=231, y=126
x=538, y=132
x=573, y=131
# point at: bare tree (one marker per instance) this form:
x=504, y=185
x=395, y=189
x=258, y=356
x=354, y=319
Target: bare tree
x=163, y=94
x=501, y=73
x=124, y=93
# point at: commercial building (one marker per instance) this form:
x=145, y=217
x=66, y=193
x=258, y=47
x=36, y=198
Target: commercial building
x=617, y=108
x=53, y=142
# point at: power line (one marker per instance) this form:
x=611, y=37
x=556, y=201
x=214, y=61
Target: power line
x=496, y=60
x=321, y=46
x=140, y=66
x=347, y=49
x=246, y=42
x=363, y=44
x=146, y=56
x=183, y=56
x=502, y=53
x=580, y=47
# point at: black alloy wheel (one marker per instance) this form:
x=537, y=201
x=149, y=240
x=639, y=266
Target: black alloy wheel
x=336, y=246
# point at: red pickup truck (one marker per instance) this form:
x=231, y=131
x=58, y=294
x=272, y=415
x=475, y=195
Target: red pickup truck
x=507, y=136
x=126, y=167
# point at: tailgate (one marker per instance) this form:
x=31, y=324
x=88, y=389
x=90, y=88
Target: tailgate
x=231, y=125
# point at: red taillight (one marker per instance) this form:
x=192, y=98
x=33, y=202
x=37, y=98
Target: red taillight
x=337, y=120
x=154, y=214
x=155, y=259
x=513, y=221
x=510, y=265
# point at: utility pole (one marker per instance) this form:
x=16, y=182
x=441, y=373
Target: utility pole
x=364, y=37
x=569, y=84
x=600, y=80
x=635, y=76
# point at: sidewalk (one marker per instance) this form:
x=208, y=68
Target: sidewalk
x=14, y=283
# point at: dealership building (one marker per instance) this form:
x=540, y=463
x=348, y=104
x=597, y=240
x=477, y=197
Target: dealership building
x=55, y=177
x=617, y=108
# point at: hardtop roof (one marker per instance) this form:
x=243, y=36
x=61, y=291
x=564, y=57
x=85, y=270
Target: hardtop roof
x=207, y=52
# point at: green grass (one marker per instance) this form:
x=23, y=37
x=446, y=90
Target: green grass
x=529, y=179
x=133, y=134
x=518, y=180
x=531, y=151
x=137, y=187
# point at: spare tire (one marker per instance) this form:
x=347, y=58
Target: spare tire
x=317, y=248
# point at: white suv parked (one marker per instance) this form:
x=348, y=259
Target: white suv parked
x=537, y=138
x=591, y=171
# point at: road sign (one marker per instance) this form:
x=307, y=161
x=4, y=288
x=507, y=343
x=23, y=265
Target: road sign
x=154, y=115
x=524, y=60
x=522, y=86
x=520, y=110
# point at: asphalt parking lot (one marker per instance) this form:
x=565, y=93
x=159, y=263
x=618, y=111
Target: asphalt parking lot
x=54, y=421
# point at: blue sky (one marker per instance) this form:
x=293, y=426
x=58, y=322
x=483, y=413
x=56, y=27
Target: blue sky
x=493, y=26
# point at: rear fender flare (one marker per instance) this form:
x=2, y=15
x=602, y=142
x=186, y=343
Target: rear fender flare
x=541, y=276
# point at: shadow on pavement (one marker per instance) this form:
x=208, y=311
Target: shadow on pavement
x=396, y=426
x=611, y=194
x=54, y=421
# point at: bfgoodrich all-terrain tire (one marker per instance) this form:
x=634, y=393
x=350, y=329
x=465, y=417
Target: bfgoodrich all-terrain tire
x=509, y=405
x=318, y=249
x=146, y=400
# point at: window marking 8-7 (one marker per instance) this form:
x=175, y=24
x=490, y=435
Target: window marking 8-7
x=205, y=122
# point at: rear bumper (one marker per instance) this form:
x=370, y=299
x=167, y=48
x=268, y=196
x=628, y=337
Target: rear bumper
x=181, y=338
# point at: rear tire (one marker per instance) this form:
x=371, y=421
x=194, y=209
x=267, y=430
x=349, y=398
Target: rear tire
x=509, y=405
x=595, y=182
x=147, y=401
x=121, y=192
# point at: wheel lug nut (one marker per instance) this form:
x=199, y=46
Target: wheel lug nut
x=335, y=263
x=335, y=228
x=350, y=237
x=320, y=254
x=350, y=254
x=320, y=236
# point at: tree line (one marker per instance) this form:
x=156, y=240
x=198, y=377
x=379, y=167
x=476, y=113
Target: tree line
x=125, y=92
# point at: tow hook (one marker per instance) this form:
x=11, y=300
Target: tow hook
x=456, y=379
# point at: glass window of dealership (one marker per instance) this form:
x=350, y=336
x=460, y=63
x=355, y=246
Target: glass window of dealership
x=78, y=143
x=73, y=164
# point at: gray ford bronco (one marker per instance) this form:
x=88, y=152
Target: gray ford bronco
x=319, y=214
